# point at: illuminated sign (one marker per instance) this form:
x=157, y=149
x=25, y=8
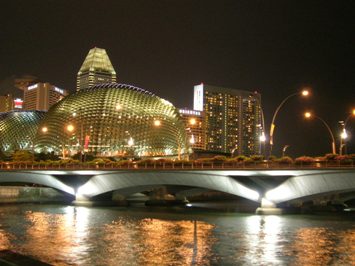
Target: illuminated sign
x=59, y=90
x=34, y=86
x=18, y=103
x=198, y=97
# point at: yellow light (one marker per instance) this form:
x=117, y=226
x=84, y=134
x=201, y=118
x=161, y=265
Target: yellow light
x=157, y=123
x=192, y=121
x=70, y=128
x=307, y=115
x=343, y=134
x=118, y=107
x=44, y=129
x=353, y=111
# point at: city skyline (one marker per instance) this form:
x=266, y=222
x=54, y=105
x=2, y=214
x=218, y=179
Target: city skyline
x=273, y=48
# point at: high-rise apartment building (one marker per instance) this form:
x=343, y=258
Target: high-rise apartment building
x=96, y=69
x=41, y=96
x=6, y=103
x=232, y=119
x=195, y=128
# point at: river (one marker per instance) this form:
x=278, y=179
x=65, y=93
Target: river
x=68, y=235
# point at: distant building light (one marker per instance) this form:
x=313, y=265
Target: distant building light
x=189, y=112
x=34, y=86
x=59, y=90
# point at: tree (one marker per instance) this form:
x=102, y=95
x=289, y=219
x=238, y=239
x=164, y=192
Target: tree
x=22, y=156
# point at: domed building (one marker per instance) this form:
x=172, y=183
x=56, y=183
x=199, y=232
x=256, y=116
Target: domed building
x=113, y=119
x=18, y=130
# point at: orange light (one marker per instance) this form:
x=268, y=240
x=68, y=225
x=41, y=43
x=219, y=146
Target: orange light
x=353, y=111
x=70, y=128
x=192, y=121
x=307, y=115
x=44, y=129
x=305, y=93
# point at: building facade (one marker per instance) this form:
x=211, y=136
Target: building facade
x=232, y=119
x=96, y=69
x=195, y=128
x=6, y=103
x=41, y=96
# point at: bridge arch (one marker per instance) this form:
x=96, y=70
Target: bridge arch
x=35, y=178
x=311, y=185
x=121, y=181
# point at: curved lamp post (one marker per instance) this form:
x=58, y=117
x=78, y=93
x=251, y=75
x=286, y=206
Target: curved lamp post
x=308, y=115
x=303, y=93
x=344, y=134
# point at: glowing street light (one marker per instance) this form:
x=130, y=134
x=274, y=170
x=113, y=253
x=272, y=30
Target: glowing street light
x=70, y=128
x=344, y=134
x=309, y=115
x=304, y=93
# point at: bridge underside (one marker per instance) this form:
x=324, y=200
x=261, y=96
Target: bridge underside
x=277, y=186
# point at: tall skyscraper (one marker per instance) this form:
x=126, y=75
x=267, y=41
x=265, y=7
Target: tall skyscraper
x=232, y=118
x=6, y=103
x=41, y=96
x=195, y=128
x=96, y=69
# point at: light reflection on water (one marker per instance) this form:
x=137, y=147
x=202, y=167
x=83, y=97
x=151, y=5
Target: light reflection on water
x=99, y=236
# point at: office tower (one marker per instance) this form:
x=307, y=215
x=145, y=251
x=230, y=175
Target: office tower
x=6, y=103
x=232, y=118
x=195, y=128
x=41, y=96
x=96, y=69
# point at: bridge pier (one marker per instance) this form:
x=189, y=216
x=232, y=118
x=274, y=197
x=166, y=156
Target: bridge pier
x=268, y=208
x=119, y=200
x=81, y=200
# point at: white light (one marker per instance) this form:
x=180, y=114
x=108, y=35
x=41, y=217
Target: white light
x=262, y=138
x=59, y=90
x=130, y=142
x=192, y=139
x=344, y=135
x=34, y=86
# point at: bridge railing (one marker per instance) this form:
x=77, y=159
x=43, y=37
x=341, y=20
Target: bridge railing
x=173, y=165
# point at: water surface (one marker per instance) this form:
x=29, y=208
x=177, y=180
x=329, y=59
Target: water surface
x=67, y=235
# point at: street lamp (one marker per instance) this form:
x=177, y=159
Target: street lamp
x=303, y=93
x=309, y=115
x=344, y=134
x=70, y=129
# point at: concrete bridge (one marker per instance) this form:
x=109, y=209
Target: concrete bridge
x=270, y=187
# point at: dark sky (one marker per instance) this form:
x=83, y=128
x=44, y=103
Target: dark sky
x=167, y=47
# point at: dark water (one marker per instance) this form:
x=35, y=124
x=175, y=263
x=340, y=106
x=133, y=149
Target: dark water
x=118, y=236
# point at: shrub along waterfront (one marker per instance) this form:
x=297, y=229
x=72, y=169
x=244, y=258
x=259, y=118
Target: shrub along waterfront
x=26, y=159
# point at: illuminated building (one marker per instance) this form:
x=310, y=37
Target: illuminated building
x=18, y=130
x=41, y=96
x=113, y=120
x=96, y=69
x=194, y=124
x=232, y=118
x=6, y=103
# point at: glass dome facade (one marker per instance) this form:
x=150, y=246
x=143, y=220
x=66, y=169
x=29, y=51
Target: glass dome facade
x=113, y=120
x=18, y=130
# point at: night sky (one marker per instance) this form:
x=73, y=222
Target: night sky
x=167, y=47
